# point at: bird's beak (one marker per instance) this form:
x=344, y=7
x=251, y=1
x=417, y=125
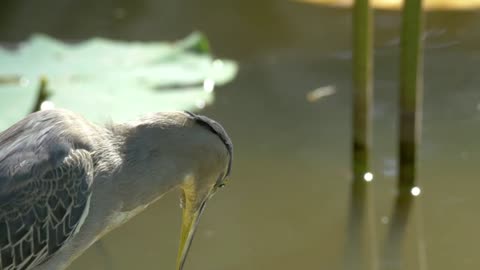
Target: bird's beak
x=190, y=217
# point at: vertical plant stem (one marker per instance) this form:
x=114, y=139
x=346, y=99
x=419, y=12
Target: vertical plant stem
x=409, y=128
x=410, y=93
x=43, y=94
x=361, y=219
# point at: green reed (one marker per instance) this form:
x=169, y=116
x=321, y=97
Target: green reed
x=410, y=110
x=361, y=246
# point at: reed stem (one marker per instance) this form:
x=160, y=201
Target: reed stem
x=361, y=227
x=42, y=95
x=410, y=108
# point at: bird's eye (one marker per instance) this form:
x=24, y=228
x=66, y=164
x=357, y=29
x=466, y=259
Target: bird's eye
x=221, y=185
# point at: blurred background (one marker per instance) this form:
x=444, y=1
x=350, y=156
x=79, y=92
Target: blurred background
x=288, y=112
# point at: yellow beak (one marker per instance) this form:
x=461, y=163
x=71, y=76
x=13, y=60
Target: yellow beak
x=190, y=218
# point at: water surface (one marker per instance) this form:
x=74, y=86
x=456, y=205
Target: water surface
x=286, y=206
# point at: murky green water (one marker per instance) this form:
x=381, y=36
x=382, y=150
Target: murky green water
x=286, y=206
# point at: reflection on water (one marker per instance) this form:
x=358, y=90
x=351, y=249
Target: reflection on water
x=396, y=4
x=208, y=85
x=415, y=191
x=368, y=177
x=286, y=205
x=47, y=105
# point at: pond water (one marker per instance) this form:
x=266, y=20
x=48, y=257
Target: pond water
x=287, y=204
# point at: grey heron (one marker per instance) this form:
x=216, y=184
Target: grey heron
x=65, y=182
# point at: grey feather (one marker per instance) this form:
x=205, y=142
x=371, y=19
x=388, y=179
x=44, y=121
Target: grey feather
x=44, y=190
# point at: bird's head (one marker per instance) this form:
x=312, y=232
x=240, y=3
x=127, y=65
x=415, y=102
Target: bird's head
x=170, y=150
x=197, y=190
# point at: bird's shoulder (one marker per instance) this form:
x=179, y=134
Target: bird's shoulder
x=38, y=143
x=46, y=171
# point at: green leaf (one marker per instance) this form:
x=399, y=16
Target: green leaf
x=196, y=43
x=104, y=79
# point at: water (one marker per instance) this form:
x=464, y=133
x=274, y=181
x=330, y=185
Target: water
x=286, y=206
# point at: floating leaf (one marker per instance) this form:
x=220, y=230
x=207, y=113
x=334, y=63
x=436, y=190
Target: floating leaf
x=104, y=79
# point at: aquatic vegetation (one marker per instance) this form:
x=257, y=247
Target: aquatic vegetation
x=104, y=79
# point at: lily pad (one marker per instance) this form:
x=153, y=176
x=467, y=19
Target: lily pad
x=104, y=79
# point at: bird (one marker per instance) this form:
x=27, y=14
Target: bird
x=65, y=182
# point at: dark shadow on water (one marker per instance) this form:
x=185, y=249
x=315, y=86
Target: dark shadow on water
x=106, y=257
x=361, y=244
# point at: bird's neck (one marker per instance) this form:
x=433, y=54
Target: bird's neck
x=140, y=187
x=149, y=169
